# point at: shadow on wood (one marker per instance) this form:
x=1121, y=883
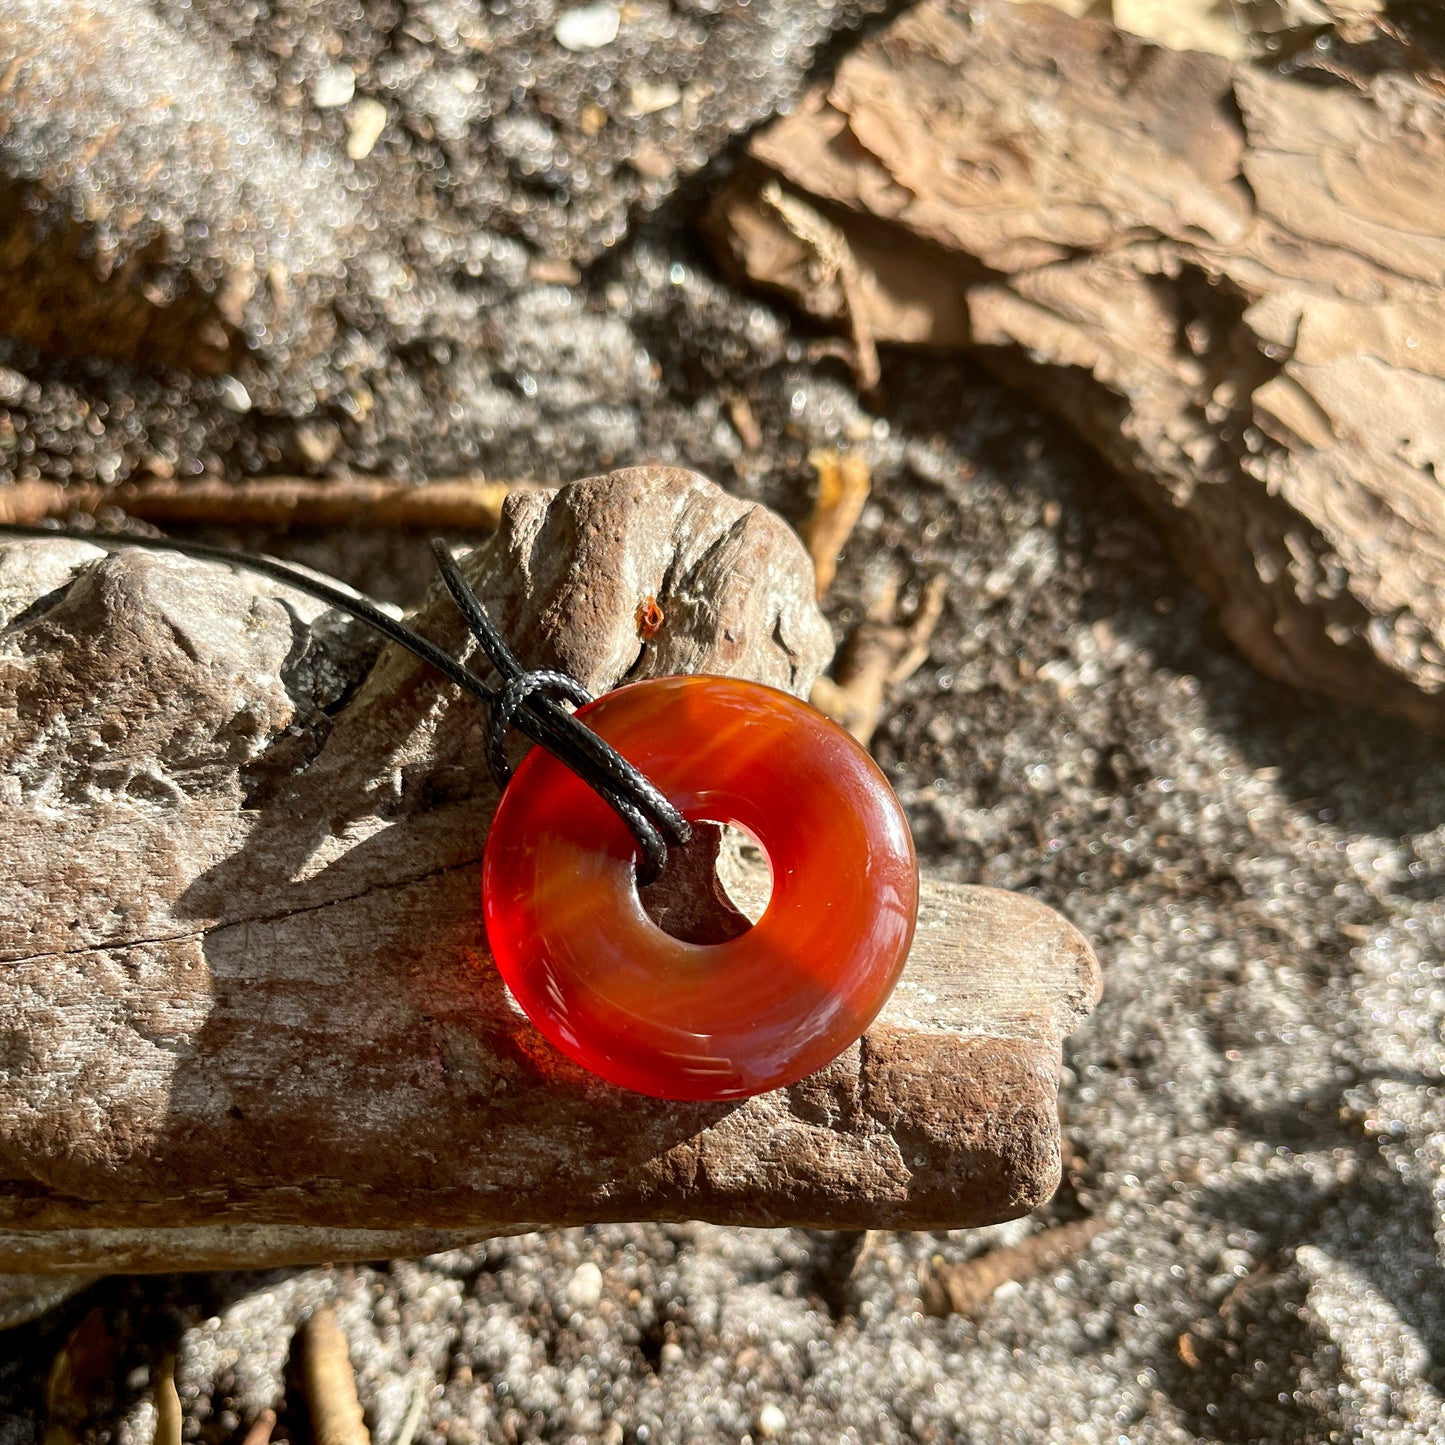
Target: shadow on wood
x=249, y=1013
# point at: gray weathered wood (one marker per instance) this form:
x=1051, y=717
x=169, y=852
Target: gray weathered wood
x=246, y=1011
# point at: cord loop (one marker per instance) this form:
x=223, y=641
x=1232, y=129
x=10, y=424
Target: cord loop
x=511, y=698
x=655, y=823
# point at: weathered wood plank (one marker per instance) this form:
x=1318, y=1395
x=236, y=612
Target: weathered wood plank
x=248, y=1013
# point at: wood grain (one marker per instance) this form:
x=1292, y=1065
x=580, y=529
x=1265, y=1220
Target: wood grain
x=1228, y=279
x=248, y=1013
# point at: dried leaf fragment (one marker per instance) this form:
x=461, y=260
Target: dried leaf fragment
x=844, y=482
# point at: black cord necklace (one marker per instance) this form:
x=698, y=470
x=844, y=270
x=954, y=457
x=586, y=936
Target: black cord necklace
x=526, y=699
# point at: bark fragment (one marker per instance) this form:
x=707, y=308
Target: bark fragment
x=1229, y=280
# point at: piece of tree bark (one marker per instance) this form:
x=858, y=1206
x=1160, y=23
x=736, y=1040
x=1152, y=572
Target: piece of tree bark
x=1230, y=281
x=246, y=1011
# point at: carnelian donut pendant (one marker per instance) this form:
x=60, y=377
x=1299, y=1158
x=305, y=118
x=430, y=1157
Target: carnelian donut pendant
x=680, y=1020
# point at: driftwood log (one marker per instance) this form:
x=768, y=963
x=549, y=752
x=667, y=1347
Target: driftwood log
x=1232, y=281
x=246, y=1011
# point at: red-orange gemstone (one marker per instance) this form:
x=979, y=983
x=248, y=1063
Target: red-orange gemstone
x=704, y=1021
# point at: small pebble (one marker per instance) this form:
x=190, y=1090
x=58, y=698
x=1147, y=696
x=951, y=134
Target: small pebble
x=647, y=99
x=771, y=1422
x=233, y=396
x=588, y=27
x=316, y=441
x=651, y=161
x=584, y=1289
x=365, y=122
x=12, y=385
x=333, y=87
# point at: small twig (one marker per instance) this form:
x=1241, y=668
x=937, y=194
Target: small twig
x=919, y=631
x=834, y=260
x=336, y=1417
x=261, y=1428
x=448, y=504
x=409, y=1425
x=866, y=1250
x=744, y=422
x=878, y=655
x=168, y=1405
x=963, y=1288
x=843, y=486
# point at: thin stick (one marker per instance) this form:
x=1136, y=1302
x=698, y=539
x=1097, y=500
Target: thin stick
x=963, y=1288
x=877, y=656
x=168, y=1405
x=451, y=504
x=408, y=1430
x=336, y=1417
x=261, y=1428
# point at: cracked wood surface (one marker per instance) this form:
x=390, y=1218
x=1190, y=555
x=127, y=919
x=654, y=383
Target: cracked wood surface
x=1230, y=280
x=247, y=1015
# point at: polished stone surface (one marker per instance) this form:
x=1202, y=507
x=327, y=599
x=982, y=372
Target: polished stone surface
x=705, y=1021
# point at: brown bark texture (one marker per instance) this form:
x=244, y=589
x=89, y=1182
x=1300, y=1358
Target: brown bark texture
x=247, y=1015
x=1231, y=280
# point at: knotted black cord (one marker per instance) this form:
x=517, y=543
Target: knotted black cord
x=523, y=701
x=653, y=819
x=511, y=697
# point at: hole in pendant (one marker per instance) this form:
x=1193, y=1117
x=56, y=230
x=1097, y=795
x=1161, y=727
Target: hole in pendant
x=744, y=872
x=714, y=889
